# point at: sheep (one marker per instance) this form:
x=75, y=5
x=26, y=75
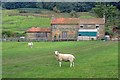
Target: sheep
x=65, y=57
x=30, y=44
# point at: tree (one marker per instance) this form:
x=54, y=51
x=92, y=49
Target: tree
x=39, y=5
x=111, y=13
x=56, y=10
x=73, y=14
x=15, y=5
x=7, y=33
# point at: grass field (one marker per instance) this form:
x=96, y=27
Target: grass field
x=94, y=59
x=13, y=20
x=22, y=23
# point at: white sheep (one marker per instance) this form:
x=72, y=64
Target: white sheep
x=65, y=57
x=30, y=44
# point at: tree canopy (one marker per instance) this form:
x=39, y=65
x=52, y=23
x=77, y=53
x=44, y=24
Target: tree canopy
x=61, y=6
x=110, y=13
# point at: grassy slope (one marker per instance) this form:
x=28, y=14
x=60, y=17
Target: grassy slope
x=22, y=23
x=93, y=59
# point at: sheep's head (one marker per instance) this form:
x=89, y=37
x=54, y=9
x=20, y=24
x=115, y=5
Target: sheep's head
x=56, y=53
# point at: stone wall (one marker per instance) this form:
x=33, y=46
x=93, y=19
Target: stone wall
x=71, y=31
x=33, y=36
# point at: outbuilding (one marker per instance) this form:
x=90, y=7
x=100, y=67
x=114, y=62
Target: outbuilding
x=38, y=34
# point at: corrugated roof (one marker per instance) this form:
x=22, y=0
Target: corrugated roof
x=77, y=21
x=37, y=29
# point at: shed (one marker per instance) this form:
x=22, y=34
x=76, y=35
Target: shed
x=37, y=33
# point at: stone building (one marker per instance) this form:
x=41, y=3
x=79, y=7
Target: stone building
x=77, y=29
x=38, y=34
x=64, y=28
x=90, y=29
x=69, y=29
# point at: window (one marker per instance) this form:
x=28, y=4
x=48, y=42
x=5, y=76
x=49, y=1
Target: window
x=64, y=34
x=44, y=34
x=37, y=34
x=41, y=34
x=54, y=26
x=79, y=34
x=81, y=26
x=97, y=26
x=89, y=26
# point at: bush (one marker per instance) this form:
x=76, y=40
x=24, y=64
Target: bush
x=29, y=10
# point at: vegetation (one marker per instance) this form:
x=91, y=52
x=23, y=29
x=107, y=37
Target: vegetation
x=111, y=14
x=61, y=6
x=73, y=14
x=25, y=15
x=100, y=60
x=29, y=10
x=94, y=59
x=14, y=22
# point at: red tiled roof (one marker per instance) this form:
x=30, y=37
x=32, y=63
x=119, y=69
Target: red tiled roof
x=37, y=29
x=65, y=21
x=77, y=21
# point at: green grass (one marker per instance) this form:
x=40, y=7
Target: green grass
x=94, y=59
x=14, y=21
x=86, y=15
x=22, y=23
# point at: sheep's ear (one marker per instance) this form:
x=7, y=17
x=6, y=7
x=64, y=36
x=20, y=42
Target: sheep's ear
x=55, y=52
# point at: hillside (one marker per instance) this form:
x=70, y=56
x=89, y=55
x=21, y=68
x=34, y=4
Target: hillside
x=16, y=21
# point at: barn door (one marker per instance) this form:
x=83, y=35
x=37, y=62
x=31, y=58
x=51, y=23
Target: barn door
x=64, y=34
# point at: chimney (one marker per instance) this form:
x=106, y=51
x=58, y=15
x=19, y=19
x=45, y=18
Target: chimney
x=52, y=17
x=104, y=17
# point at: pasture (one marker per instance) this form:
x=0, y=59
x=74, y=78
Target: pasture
x=19, y=23
x=14, y=21
x=94, y=59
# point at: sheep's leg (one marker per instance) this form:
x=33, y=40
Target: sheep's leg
x=73, y=64
x=60, y=64
x=31, y=46
x=70, y=64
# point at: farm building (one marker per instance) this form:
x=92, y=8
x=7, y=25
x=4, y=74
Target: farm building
x=36, y=33
x=69, y=29
x=77, y=29
x=91, y=29
x=64, y=28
